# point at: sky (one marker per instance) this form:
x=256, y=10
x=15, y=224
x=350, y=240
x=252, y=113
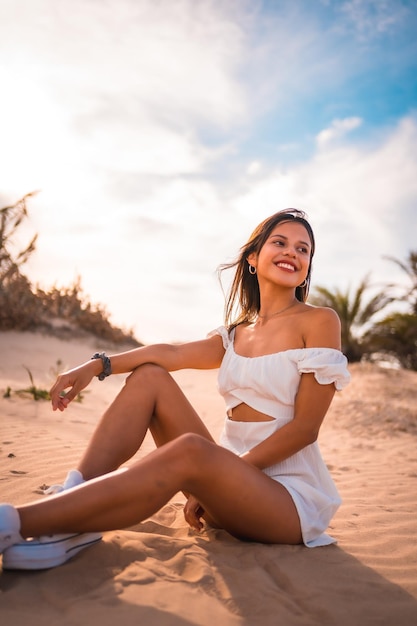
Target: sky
x=159, y=133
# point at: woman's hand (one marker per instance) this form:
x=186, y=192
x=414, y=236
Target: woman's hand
x=76, y=380
x=193, y=512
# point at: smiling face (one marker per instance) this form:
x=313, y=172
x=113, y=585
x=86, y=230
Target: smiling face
x=281, y=248
x=285, y=256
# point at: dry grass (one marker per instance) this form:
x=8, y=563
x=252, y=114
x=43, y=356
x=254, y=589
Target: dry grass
x=64, y=312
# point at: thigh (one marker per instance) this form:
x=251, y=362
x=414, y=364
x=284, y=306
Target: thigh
x=173, y=415
x=246, y=502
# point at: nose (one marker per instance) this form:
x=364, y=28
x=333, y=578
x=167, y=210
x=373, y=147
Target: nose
x=290, y=251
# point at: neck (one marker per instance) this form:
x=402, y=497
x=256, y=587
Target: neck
x=266, y=315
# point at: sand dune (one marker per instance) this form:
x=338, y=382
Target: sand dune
x=161, y=573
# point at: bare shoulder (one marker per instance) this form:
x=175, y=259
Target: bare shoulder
x=321, y=327
x=322, y=314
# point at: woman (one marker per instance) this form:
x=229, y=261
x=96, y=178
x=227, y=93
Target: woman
x=280, y=363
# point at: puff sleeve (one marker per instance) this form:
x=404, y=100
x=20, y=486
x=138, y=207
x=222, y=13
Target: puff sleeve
x=327, y=365
x=224, y=334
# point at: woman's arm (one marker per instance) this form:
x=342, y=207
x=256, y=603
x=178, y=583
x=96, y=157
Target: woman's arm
x=204, y=354
x=311, y=405
x=322, y=329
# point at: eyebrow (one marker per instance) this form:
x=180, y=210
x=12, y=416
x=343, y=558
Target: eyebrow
x=286, y=238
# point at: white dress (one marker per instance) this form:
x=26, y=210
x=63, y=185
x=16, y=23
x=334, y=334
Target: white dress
x=269, y=384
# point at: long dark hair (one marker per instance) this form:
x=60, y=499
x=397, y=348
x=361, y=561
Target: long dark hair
x=243, y=301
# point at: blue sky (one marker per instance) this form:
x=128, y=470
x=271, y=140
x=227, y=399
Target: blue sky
x=160, y=133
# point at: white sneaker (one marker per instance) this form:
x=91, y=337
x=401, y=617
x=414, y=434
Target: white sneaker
x=43, y=552
x=9, y=527
x=47, y=552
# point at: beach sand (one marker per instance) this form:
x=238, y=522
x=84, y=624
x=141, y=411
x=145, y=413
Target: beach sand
x=160, y=572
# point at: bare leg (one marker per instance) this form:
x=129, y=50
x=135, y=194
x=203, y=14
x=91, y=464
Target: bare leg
x=150, y=399
x=241, y=498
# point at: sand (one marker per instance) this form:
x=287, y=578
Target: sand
x=161, y=573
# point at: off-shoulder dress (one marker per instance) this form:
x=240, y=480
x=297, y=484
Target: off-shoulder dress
x=269, y=384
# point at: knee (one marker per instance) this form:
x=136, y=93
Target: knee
x=147, y=374
x=192, y=447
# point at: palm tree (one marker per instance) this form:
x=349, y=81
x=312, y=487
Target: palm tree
x=10, y=219
x=409, y=266
x=17, y=300
x=354, y=312
x=396, y=335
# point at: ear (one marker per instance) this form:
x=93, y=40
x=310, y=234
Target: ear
x=252, y=259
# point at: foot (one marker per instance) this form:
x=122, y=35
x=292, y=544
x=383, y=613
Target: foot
x=47, y=552
x=73, y=479
x=9, y=527
x=42, y=552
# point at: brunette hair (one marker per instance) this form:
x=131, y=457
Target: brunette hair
x=243, y=301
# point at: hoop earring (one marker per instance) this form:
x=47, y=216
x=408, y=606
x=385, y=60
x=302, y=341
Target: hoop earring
x=252, y=270
x=304, y=283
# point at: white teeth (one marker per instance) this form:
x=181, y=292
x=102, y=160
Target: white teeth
x=287, y=266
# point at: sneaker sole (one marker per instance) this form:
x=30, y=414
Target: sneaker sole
x=33, y=555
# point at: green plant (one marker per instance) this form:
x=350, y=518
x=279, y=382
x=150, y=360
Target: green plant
x=355, y=311
x=409, y=267
x=396, y=336
x=33, y=390
x=36, y=392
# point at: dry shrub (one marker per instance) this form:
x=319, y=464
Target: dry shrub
x=64, y=311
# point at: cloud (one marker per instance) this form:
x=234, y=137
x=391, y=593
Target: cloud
x=98, y=92
x=182, y=54
x=337, y=130
x=153, y=260
x=361, y=202
x=374, y=17
x=360, y=198
x=161, y=133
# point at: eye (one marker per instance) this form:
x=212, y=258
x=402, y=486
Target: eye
x=303, y=250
